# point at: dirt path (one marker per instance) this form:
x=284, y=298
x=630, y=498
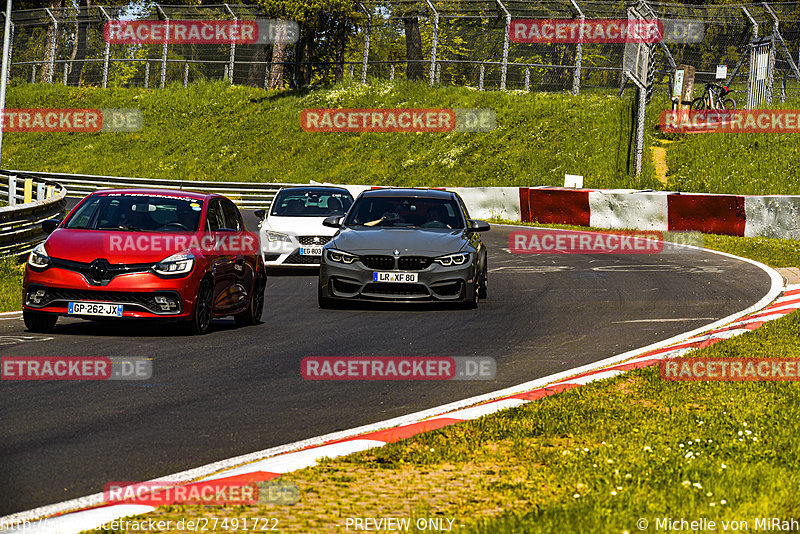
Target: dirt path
x=660, y=160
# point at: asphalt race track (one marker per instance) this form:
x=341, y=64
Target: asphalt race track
x=238, y=390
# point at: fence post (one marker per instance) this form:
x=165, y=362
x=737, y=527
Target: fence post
x=146, y=73
x=266, y=75
x=751, y=75
x=527, y=78
x=777, y=35
x=10, y=48
x=186, y=73
x=27, y=191
x=438, y=73
x=391, y=71
x=66, y=71
x=783, y=89
x=233, y=43
x=504, y=72
x=576, y=75
x=480, y=78
x=164, y=48
x=352, y=69
x=53, y=44
x=366, y=43
x=12, y=190
x=434, y=40
x=771, y=70
x=106, y=51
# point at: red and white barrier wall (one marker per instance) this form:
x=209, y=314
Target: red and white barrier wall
x=752, y=216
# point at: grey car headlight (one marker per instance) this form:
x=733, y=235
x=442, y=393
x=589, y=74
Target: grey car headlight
x=340, y=256
x=453, y=259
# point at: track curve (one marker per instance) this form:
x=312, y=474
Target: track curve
x=238, y=390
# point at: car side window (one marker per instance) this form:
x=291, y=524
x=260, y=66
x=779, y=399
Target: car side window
x=84, y=215
x=231, y=216
x=216, y=218
x=232, y=219
x=464, y=209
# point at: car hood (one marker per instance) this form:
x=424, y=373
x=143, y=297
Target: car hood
x=296, y=225
x=117, y=247
x=427, y=241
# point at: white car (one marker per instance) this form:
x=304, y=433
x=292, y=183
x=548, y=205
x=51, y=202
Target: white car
x=292, y=234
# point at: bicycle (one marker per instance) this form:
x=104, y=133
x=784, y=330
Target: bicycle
x=714, y=99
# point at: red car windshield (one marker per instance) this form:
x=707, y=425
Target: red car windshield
x=146, y=213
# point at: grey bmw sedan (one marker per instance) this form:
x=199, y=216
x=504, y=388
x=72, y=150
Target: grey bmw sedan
x=405, y=245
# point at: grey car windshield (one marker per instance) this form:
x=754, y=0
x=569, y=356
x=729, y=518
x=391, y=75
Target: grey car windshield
x=405, y=212
x=305, y=203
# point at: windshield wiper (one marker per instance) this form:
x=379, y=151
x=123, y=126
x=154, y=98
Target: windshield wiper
x=132, y=228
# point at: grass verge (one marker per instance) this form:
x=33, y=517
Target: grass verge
x=606, y=457
x=11, y=272
x=214, y=131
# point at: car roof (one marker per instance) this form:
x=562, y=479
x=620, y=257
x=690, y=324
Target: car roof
x=408, y=192
x=317, y=188
x=177, y=193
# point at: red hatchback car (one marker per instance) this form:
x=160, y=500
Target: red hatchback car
x=146, y=253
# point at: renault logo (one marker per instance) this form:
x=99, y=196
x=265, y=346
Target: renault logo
x=98, y=270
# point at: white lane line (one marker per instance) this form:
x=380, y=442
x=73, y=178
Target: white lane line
x=679, y=320
x=15, y=340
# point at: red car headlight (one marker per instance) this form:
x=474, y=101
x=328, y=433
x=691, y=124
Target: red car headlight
x=177, y=264
x=39, y=258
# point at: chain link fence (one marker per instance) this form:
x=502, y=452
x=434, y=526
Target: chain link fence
x=445, y=42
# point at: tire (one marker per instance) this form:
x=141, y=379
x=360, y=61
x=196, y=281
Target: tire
x=252, y=315
x=470, y=302
x=324, y=301
x=698, y=103
x=200, y=322
x=729, y=103
x=39, y=323
x=483, y=288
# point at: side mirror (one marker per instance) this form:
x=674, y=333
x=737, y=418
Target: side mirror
x=49, y=225
x=476, y=226
x=335, y=221
x=260, y=214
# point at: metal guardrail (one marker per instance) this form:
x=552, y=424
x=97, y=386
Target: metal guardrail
x=247, y=195
x=20, y=221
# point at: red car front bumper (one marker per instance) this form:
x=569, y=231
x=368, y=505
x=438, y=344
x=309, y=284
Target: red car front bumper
x=142, y=294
